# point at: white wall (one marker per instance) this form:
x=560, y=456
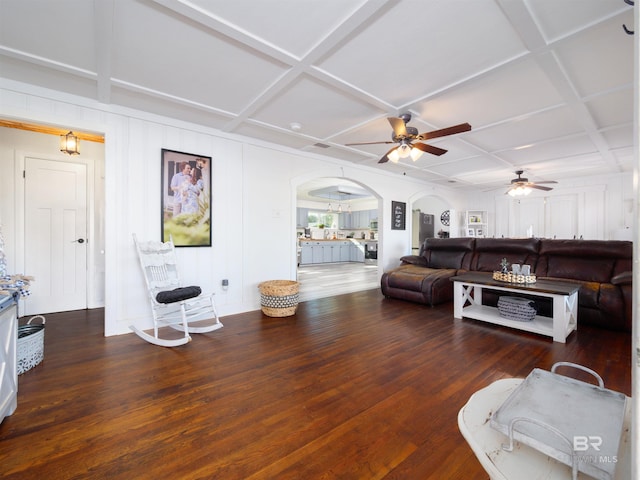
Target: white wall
x=253, y=200
x=594, y=208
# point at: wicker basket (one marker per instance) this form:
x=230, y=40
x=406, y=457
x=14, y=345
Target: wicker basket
x=30, y=345
x=517, y=308
x=279, y=298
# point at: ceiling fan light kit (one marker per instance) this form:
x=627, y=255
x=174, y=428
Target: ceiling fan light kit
x=405, y=135
x=522, y=186
x=519, y=191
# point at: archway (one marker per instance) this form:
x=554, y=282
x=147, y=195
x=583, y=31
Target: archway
x=429, y=219
x=336, y=237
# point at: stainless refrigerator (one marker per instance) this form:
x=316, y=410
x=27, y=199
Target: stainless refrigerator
x=423, y=227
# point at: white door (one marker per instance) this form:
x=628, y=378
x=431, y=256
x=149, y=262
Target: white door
x=55, y=235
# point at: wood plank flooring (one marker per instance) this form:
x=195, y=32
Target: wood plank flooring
x=354, y=386
x=330, y=279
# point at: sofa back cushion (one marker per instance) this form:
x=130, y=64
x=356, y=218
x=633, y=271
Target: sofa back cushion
x=585, y=260
x=489, y=252
x=448, y=252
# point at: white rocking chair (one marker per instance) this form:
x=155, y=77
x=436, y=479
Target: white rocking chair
x=172, y=304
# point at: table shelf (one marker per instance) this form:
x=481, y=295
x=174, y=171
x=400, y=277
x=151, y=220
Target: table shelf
x=485, y=313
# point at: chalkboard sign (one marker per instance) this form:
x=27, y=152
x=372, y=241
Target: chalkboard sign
x=398, y=215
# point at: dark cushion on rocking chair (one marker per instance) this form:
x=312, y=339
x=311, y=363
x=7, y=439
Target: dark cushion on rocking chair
x=178, y=294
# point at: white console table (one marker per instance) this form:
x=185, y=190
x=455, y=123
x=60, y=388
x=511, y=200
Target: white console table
x=8, y=359
x=467, y=302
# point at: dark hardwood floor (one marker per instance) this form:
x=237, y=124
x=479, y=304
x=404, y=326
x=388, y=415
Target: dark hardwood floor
x=352, y=387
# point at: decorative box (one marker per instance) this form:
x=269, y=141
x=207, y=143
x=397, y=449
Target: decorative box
x=514, y=278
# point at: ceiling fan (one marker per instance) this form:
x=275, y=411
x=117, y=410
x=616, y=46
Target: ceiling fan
x=522, y=186
x=405, y=136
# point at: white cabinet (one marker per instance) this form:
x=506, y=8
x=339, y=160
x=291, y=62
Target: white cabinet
x=311, y=252
x=302, y=217
x=358, y=220
x=306, y=254
x=8, y=361
x=330, y=251
x=357, y=251
x=476, y=223
x=345, y=252
x=327, y=253
x=317, y=253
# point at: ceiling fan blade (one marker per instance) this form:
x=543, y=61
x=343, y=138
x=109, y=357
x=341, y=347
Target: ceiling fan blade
x=366, y=143
x=463, y=127
x=385, y=158
x=429, y=148
x=548, y=181
x=546, y=189
x=398, y=125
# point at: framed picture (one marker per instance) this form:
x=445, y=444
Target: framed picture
x=398, y=215
x=479, y=233
x=186, y=199
x=471, y=232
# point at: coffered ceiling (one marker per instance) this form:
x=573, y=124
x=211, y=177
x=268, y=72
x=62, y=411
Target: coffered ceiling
x=547, y=85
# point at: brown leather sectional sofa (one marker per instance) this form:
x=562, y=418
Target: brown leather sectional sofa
x=602, y=268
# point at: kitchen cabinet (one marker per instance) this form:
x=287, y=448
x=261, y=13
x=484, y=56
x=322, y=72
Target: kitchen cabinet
x=358, y=220
x=317, y=254
x=302, y=217
x=345, y=221
x=327, y=253
x=345, y=252
x=330, y=251
x=356, y=253
x=306, y=255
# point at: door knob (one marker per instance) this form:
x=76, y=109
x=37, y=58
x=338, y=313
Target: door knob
x=80, y=240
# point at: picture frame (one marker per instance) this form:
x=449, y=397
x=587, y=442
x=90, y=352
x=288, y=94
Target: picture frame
x=471, y=232
x=479, y=233
x=185, y=199
x=398, y=215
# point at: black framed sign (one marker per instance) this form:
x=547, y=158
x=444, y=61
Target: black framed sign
x=186, y=199
x=398, y=215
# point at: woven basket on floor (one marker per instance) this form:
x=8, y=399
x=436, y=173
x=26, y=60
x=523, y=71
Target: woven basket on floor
x=30, y=345
x=279, y=298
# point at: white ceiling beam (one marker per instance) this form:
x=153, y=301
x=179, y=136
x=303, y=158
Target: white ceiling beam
x=524, y=23
x=103, y=22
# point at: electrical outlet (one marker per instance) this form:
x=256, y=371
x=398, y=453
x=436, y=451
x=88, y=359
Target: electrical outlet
x=225, y=282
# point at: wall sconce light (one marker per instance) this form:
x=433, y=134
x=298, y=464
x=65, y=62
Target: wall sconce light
x=70, y=144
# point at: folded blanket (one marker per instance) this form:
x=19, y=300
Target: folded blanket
x=178, y=294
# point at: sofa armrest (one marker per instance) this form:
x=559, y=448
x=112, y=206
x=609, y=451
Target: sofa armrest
x=414, y=260
x=624, y=278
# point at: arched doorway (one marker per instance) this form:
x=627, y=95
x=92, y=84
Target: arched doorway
x=430, y=218
x=337, y=237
